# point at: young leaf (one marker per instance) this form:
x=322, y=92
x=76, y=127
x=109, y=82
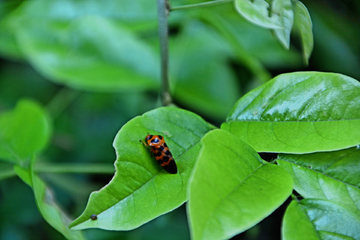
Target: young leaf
x=331, y=175
x=47, y=205
x=257, y=12
x=298, y=113
x=319, y=219
x=232, y=188
x=141, y=190
x=303, y=25
x=23, y=132
x=283, y=9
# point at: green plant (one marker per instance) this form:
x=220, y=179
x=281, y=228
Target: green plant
x=310, y=119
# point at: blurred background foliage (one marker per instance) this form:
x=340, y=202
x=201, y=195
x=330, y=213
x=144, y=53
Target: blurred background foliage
x=94, y=65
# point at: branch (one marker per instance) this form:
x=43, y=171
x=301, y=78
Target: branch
x=163, y=11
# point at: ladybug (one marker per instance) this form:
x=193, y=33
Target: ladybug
x=161, y=152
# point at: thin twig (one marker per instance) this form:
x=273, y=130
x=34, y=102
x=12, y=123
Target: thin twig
x=163, y=11
x=197, y=5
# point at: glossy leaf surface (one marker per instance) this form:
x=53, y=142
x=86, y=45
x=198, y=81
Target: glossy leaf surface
x=24, y=132
x=331, y=175
x=319, y=219
x=141, y=190
x=232, y=188
x=298, y=113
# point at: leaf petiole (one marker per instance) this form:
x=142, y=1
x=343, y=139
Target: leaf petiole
x=197, y=5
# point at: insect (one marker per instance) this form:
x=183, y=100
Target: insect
x=161, y=152
x=93, y=217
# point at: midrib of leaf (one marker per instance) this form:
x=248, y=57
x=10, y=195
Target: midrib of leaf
x=307, y=216
x=321, y=173
x=317, y=177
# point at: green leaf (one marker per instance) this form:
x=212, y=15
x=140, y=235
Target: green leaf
x=319, y=219
x=252, y=52
x=303, y=25
x=24, y=132
x=24, y=174
x=51, y=212
x=8, y=45
x=257, y=12
x=296, y=224
x=331, y=175
x=81, y=46
x=283, y=9
x=197, y=68
x=141, y=190
x=232, y=188
x=298, y=113
x=47, y=206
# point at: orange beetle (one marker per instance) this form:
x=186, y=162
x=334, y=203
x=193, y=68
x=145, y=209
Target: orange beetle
x=161, y=152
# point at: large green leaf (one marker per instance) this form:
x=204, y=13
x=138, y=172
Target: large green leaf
x=232, y=188
x=46, y=203
x=298, y=113
x=315, y=219
x=140, y=190
x=197, y=67
x=87, y=44
x=303, y=25
x=23, y=132
x=331, y=175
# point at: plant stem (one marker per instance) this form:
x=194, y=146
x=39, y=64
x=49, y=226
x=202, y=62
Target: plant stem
x=7, y=173
x=293, y=196
x=61, y=101
x=74, y=168
x=204, y=4
x=163, y=11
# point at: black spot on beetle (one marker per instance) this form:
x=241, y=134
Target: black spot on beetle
x=166, y=158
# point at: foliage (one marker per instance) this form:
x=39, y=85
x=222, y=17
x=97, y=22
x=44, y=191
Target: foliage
x=95, y=70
